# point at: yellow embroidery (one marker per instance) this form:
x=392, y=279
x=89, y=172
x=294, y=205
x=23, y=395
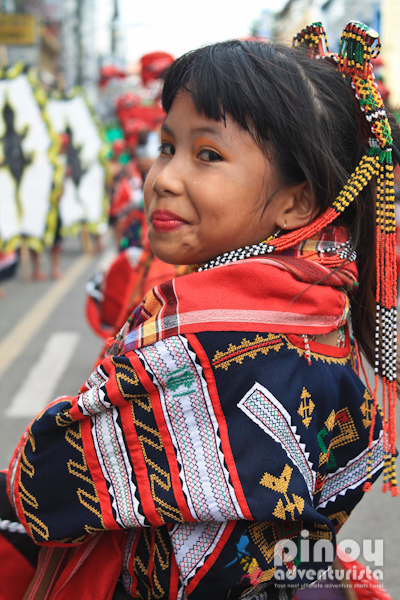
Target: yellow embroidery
x=280, y=484
x=330, y=422
x=163, y=562
x=64, y=419
x=247, y=348
x=266, y=536
x=347, y=433
x=82, y=538
x=338, y=519
x=32, y=440
x=306, y=407
x=254, y=572
x=90, y=529
x=37, y=525
x=81, y=470
x=366, y=409
x=33, y=522
x=153, y=587
x=157, y=475
x=25, y=465
x=41, y=530
x=145, y=404
x=122, y=374
x=77, y=540
x=27, y=497
x=267, y=547
x=321, y=357
x=263, y=344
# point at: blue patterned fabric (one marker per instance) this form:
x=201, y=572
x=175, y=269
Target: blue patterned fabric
x=212, y=450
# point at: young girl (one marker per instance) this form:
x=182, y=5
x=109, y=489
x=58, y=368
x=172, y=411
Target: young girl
x=226, y=437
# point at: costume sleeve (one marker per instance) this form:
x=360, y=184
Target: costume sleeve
x=126, y=452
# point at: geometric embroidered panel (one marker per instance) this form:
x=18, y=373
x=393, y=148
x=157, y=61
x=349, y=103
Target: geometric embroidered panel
x=269, y=414
x=353, y=474
x=193, y=427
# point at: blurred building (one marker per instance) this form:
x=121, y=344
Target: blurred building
x=264, y=26
x=390, y=35
x=381, y=15
x=336, y=13
x=56, y=36
x=295, y=15
x=77, y=34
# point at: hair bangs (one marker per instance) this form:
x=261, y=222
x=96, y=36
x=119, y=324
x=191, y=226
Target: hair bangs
x=210, y=75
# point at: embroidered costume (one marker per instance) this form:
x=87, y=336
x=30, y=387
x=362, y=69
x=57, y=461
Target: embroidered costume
x=218, y=436
x=204, y=439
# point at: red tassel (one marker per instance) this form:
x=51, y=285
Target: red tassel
x=385, y=488
x=367, y=486
x=395, y=491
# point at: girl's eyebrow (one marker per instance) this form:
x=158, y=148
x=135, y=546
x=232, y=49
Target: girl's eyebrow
x=196, y=130
x=211, y=130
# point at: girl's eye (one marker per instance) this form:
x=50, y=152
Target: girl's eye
x=209, y=155
x=167, y=148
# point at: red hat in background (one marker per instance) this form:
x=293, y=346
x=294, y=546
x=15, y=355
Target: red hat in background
x=125, y=105
x=139, y=117
x=136, y=125
x=127, y=101
x=153, y=65
x=110, y=72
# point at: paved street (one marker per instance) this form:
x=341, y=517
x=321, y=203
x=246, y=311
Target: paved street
x=47, y=349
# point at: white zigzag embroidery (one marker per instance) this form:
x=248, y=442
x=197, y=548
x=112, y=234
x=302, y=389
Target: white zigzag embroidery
x=353, y=474
x=268, y=413
x=93, y=400
x=193, y=543
x=193, y=428
x=114, y=461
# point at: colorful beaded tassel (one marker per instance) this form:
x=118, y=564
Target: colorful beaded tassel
x=358, y=45
x=314, y=38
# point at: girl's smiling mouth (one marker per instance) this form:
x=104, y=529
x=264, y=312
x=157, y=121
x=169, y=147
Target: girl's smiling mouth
x=164, y=220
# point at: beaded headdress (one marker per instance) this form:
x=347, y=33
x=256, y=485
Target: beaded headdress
x=358, y=45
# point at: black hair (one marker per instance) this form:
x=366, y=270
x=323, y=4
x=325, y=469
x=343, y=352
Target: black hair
x=304, y=117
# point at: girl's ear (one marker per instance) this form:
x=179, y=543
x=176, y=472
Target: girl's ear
x=295, y=206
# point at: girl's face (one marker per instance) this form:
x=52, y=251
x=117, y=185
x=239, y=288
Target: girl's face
x=207, y=190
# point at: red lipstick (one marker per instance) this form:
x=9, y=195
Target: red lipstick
x=164, y=220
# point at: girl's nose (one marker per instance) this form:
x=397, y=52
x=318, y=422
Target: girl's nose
x=168, y=179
